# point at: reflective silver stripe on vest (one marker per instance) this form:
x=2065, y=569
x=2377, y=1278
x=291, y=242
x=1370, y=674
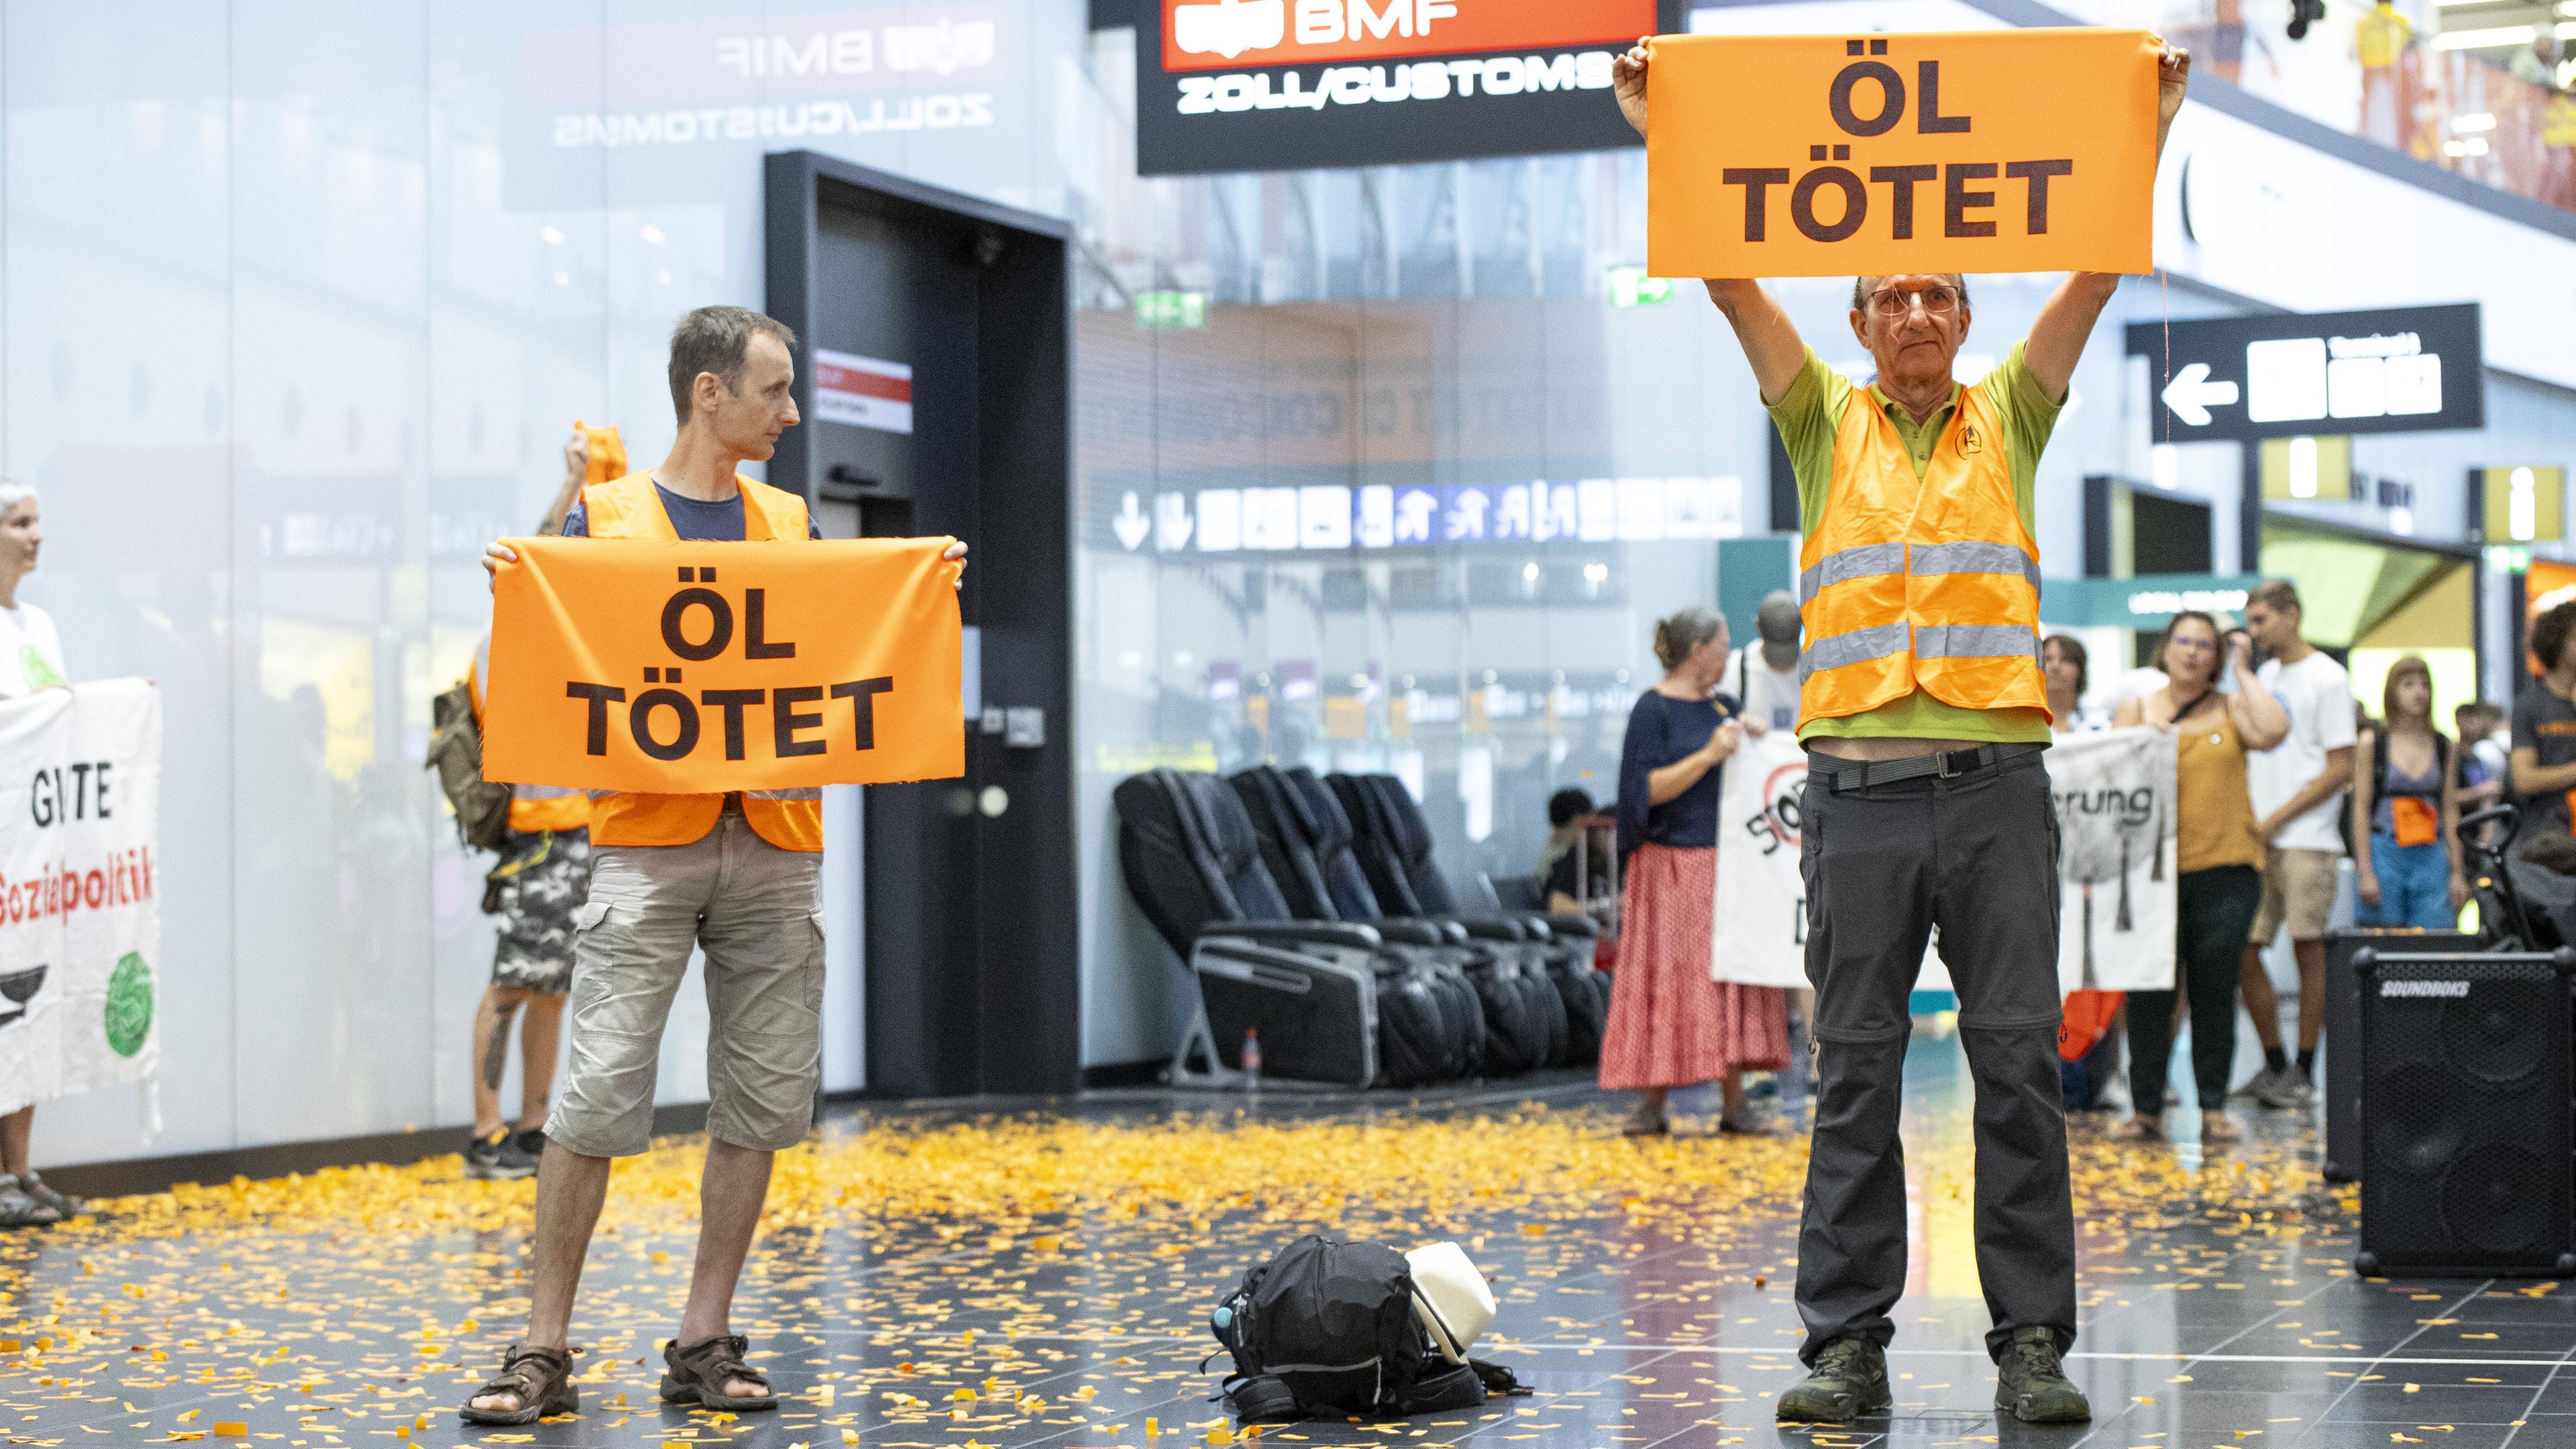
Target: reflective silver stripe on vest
x=1976, y=641
x=1975, y=558
x=1866, y=561
x=543, y=792
x=804, y=794
x=1857, y=647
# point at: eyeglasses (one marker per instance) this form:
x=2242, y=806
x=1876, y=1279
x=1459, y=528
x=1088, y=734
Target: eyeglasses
x=2195, y=646
x=1896, y=301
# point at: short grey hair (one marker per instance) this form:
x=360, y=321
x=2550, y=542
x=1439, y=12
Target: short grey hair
x=1776, y=619
x=1677, y=636
x=13, y=493
x=716, y=339
x=1860, y=291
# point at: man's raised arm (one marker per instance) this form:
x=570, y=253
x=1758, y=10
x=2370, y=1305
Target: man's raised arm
x=2066, y=320
x=1770, y=340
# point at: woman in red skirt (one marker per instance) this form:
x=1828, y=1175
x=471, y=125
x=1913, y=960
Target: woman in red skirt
x=1670, y=1025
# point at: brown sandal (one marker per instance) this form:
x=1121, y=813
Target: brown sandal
x=699, y=1373
x=542, y=1380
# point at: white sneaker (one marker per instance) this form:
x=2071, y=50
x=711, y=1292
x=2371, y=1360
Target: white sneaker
x=2288, y=1092
x=2257, y=1087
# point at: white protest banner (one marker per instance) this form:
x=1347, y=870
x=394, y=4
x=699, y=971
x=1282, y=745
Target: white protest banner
x=2115, y=809
x=80, y=905
x=2115, y=859
x=1761, y=927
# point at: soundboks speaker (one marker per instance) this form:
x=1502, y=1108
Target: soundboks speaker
x=2342, y=1086
x=2465, y=1104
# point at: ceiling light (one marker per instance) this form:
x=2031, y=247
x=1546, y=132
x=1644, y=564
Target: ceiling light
x=2485, y=39
x=550, y=235
x=652, y=234
x=2475, y=121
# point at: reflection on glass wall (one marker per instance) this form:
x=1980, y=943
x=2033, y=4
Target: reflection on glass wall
x=1385, y=471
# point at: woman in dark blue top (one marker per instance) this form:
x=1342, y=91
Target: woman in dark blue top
x=1670, y=1025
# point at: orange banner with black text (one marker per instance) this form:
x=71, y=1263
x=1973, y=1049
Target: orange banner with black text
x=1976, y=151
x=698, y=668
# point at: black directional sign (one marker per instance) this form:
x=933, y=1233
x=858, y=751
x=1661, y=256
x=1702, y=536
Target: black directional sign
x=2400, y=370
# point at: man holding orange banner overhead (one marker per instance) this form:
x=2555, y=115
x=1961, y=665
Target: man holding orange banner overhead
x=1924, y=711
x=734, y=873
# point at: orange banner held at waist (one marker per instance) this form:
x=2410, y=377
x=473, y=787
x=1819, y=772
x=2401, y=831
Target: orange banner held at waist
x=1834, y=155
x=697, y=668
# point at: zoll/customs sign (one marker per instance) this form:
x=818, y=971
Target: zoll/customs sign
x=1831, y=155
x=1271, y=85
x=700, y=668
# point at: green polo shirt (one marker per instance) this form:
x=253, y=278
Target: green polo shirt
x=1810, y=414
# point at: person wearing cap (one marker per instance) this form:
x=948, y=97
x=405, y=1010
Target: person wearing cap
x=1764, y=673
x=540, y=881
x=1924, y=713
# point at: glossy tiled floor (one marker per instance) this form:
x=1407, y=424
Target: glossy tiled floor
x=956, y=1279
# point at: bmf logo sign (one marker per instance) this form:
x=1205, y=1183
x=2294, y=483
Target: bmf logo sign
x=2451, y=989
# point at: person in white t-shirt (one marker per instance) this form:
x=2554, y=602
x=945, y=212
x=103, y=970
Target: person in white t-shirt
x=1765, y=674
x=31, y=658
x=2298, y=787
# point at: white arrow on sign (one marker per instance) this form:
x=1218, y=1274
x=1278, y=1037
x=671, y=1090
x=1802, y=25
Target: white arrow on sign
x=2191, y=394
x=1131, y=525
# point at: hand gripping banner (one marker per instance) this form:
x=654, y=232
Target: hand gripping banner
x=698, y=668
x=1832, y=155
x=80, y=900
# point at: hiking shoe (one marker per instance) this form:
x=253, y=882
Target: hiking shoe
x=18, y=1209
x=498, y=1156
x=2030, y=1384
x=1849, y=1380
x=532, y=1143
x=65, y=1206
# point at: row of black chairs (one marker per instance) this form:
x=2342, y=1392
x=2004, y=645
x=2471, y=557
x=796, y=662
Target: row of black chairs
x=1309, y=910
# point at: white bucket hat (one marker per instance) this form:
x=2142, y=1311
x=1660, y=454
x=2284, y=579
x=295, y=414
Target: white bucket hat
x=1450, y=1297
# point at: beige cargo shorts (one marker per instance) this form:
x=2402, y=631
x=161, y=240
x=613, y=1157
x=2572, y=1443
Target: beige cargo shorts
x=755, y=910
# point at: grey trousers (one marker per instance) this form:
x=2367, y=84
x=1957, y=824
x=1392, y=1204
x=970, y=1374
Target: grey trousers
x=1975, y=855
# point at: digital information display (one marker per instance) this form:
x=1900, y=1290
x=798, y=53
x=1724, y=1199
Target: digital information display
x=1279, y=85
x=1338, y=517
x=2399, y=370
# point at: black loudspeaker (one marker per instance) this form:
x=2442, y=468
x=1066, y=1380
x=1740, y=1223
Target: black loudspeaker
x=2465, y=1128
x=2342, y=1086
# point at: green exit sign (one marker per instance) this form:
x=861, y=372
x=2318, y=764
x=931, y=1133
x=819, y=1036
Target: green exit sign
x=1631, y=287
x=1171, y=309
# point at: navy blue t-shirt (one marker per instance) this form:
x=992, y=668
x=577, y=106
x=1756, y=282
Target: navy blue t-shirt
x=691, y=518
x=1661, y=731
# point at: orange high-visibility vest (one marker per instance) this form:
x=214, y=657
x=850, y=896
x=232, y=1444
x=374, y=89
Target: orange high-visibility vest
x=533, y=808
x=788, y=819
x=1929, y=583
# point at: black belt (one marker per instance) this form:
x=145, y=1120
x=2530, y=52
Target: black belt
x=1860, y=774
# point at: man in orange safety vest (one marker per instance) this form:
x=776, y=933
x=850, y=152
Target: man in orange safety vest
x=1924, y=712
x=733, y=874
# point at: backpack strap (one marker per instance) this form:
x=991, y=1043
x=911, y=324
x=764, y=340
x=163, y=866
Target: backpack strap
x=1455, y=1386
x=1258, y=1398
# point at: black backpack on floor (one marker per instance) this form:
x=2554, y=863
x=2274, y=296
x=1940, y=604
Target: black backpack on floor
x=1327, y=1327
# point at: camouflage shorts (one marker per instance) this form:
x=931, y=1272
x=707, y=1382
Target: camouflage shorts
x=541, y=881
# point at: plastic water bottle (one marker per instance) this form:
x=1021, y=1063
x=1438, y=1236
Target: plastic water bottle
x=1251, y=1059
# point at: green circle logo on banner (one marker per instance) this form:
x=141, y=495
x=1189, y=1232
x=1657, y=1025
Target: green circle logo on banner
x=129, y=1005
